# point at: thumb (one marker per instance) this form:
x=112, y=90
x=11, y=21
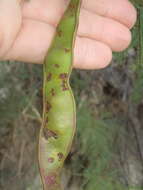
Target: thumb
x=10, y=22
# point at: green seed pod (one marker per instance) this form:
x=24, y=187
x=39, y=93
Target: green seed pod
x=59, y=112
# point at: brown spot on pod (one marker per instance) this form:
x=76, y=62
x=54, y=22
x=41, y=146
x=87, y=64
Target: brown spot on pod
x=49, y=76
x=57, y=65
x=64, y=85
x=48, y=133
x=67, y=50
x=63, y=76
x=65, y=88
x=48, y=106
x=60, y=156
x=46, y=121
x=64, y=82
x=59, y=32
x=72, y=7
x=50, y=180
x=52, y=92
x=50, y=160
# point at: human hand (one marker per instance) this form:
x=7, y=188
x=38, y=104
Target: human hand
x=28, y=26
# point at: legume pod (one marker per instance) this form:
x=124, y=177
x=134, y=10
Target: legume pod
x=59, y=113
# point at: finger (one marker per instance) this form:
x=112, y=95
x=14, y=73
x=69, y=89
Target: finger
x=91, y=54
x=47, y=11
x=10, y=23
x=51, y=11
x=120, y=10
x=115, y=35
x=32, y=42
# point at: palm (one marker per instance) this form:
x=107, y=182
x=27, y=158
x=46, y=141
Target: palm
x=31, y=28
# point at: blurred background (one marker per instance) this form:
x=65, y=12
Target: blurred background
x=107, y=152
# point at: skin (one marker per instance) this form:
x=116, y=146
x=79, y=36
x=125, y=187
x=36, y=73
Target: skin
x=59, y=115
x=104, y=27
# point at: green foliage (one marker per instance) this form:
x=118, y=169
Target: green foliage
x=138, y=83
x=137, y=2
x=17, y=90
x=93, y=160
x=95, y=151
